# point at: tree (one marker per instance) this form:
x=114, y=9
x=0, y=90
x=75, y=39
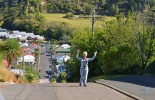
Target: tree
x=1, y=53
x=12, y=50
x=83, y=40
x=145, y=41
x=88, y=9
x=114, y=42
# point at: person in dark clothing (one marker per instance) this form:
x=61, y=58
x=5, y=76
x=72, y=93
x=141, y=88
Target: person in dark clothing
x=69, y=76
x=50, y=75
x=60, y=78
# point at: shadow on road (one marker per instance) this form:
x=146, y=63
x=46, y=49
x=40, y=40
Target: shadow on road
x=148, y=81
x=46, y=76
x=66, y=86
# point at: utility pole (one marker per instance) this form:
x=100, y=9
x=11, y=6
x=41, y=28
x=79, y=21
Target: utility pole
x=93, y=21
x=23, y=64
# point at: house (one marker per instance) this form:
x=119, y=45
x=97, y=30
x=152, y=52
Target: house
x=15, y=32
x=63, y=58
x=28, y=59
x=65, y=46
x=33, y=45
x=22, y=36
x=24, y=44
x=61, y=49
x=28, y=51
x=3, y=32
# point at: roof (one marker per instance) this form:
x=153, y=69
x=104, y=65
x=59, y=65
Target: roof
x=63, y=58
x=17, y=71
x=5, y=63
x=65, y=46
x=62, y=50
x=33, y=44
x=57, y=55
x=59, y=47
x=27, y=53
x=27, y=49
x=24, y=44
x=27, y=58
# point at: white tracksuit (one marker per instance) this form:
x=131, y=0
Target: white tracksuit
x=84, y=68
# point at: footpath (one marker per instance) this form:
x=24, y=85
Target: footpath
x=136, y=86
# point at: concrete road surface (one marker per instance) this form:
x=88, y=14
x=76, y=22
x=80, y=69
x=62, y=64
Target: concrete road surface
x=44, y=62
x=93, y=91
x=61, y=91
x=44, y=91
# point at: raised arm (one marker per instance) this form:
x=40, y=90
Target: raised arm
x=90, y=59
x=77, y=55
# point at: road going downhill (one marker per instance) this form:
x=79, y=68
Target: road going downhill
x=58, y=91
x=44, y=61
x=61, y=91
x=43, y=91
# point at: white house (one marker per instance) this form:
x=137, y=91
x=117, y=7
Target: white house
x=15, y=32
x=27, y=59
x=3, y=32
x=63, y=58
x=66, y=46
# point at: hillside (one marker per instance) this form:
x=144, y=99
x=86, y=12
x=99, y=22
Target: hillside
x=30, y=15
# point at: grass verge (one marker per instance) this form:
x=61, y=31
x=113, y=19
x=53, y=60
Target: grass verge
x=7, y=76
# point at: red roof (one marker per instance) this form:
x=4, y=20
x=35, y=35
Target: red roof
x=27, y=53
x=30, y=54
x=27, y=49
x=33, y=44
x=58, y=48
x=4, y=63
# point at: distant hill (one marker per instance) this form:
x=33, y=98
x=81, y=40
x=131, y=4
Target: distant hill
x=27, y=15
x=103, y=7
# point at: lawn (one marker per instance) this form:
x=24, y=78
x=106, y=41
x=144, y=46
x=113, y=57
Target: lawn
x=75, y=22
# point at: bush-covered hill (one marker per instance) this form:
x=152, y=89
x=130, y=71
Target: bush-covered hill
x=21, y=8
x=28, y=15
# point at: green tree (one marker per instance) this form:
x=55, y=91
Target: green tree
x=83, y=40
x=88, y=9
x=145, y=40
x=12, y=50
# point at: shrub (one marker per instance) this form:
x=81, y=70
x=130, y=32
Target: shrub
x=2, y=80
x=63, y=81
x=69, y=15
x=63, y=75
x=20, y=66
x=29, y=77
x=53, y=80
x=31, y=74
